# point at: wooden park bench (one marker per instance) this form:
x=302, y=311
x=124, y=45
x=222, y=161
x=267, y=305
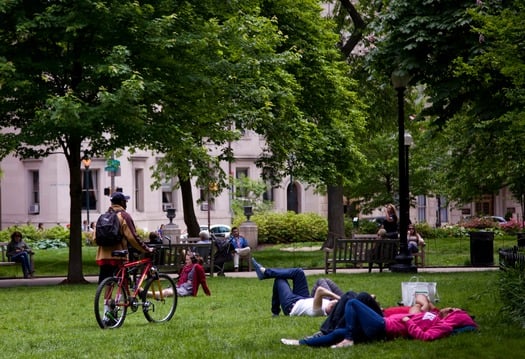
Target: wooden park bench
x=5, y=260
x=173, y=255
x=361, y=249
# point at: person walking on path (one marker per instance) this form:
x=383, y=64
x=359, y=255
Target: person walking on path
x=107, y=263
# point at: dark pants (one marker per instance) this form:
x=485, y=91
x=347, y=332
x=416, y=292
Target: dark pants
x=106, y=271
x=360, y=320
x=284, y=297
x=25, y=260
x=336, y=319
x=328, y=284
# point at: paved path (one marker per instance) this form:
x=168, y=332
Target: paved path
x=41, y=281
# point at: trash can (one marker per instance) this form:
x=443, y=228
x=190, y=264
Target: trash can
x=521, y=239
x=481, y=248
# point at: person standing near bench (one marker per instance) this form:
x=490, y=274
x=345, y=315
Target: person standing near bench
x=390, y=224
x=18, y=251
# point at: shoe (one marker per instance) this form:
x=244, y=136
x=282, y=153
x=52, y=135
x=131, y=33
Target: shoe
x=236, y=269
x=259, y=269
x=109, y=322
x=344, y=344
x=110, y=319
x=290, y=341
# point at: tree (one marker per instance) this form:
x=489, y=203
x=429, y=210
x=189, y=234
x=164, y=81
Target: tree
x=70, y=82
x=230, y=75
x=322, y=140
x=500, y=62
x=456, y=49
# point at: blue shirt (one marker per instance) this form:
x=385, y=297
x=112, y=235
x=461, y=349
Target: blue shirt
x=242, y=242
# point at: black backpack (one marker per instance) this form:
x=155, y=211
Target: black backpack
x=107, y=231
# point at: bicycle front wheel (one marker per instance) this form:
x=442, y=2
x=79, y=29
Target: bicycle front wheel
x=161, y=299
x=110, y=304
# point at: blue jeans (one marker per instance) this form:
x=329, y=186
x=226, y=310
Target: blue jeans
x=283, y=296
x=23, y=258
x=360, y=319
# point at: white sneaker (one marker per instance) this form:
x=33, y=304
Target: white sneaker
x=290, y=341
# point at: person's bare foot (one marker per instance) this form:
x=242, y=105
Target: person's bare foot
x=343, y=344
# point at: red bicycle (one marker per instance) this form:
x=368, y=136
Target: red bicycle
x=136, y=284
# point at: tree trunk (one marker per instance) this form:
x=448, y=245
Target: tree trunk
x=189, y=212
x=75, y=274
x=336, y=224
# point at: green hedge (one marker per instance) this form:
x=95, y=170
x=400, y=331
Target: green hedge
x=512, y=292
x=289, y=227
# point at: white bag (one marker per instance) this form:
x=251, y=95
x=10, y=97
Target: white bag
x=414, y=286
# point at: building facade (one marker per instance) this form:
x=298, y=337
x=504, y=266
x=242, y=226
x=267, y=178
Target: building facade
x=37, y=191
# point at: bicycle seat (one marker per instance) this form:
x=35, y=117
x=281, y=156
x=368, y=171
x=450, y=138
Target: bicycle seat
x=120, y=253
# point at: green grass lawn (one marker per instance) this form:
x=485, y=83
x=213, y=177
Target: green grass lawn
x=235, y=322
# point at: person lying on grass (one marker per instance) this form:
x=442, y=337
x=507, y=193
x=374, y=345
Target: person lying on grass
x=363, y=322
x=296, y=300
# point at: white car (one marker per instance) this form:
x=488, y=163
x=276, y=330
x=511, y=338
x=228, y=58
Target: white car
x=221, y=230
x=218, y=230
x=498, y=219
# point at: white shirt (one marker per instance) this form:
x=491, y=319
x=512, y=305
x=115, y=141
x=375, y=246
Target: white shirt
x=306, y=307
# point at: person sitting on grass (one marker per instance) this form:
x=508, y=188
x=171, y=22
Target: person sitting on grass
x=297, y=300
x=192, y=276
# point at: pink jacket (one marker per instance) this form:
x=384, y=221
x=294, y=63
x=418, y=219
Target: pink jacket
x=426, y=326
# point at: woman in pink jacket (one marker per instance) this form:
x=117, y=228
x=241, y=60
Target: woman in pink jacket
x=361, y=319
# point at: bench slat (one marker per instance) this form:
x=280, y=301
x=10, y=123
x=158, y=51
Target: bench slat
x=361, y=249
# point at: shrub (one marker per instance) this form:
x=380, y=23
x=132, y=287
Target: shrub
x=368, y=227
x=33, y=236
x=478, y=223
x=512, y=292
x=512, y=226
x=288, y=227
x=50, y=244
x=425, y=230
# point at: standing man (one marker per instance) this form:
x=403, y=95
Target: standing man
x=240, y=247
x=130, y=239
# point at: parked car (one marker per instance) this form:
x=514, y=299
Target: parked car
x=498, y=219
x=218, y=230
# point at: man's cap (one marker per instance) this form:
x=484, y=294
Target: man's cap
x=118, y=197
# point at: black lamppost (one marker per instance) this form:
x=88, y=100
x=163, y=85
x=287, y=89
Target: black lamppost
x=87, y=162
x=292, y=199
x=403, y=263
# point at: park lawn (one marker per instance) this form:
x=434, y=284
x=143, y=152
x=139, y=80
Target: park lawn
x=439, y=252
x=235, y=322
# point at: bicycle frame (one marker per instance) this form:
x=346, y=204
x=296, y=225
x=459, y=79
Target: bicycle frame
x=155, y=292
x=123, y=278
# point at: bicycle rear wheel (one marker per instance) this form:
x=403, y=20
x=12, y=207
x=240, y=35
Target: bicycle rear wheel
x=161, y=299
x=110, y=304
